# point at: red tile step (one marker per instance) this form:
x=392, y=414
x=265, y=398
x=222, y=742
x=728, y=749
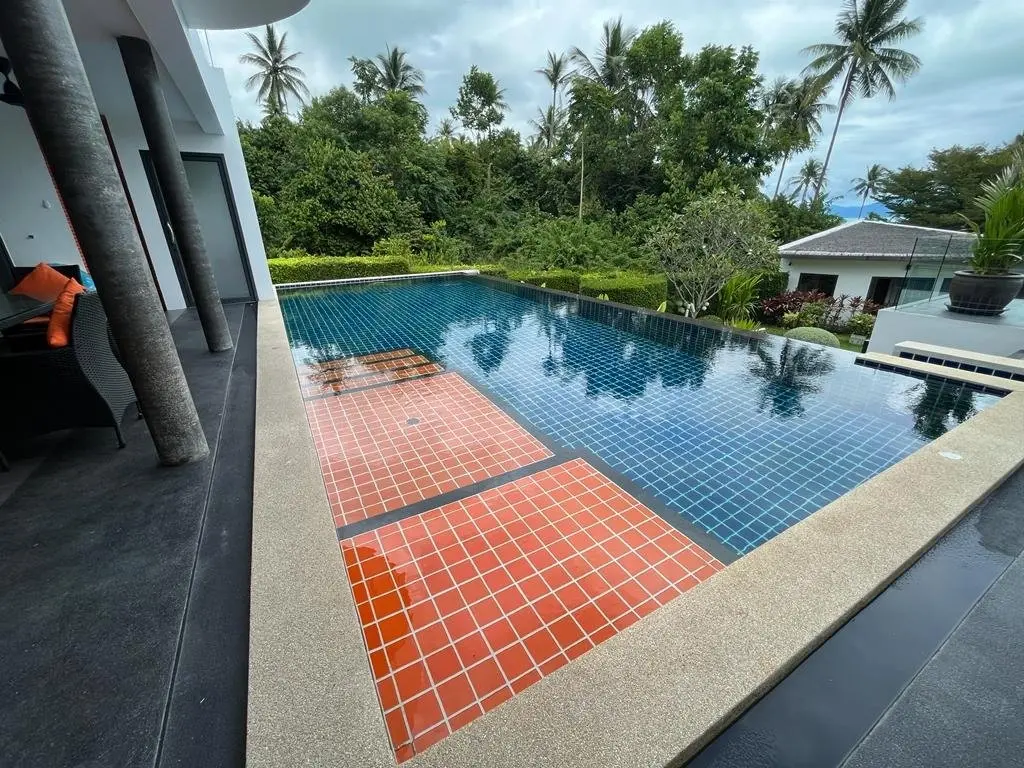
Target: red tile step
x=466, y=605
x=384, y=448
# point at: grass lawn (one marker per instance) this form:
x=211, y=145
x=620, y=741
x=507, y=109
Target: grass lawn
x=844, y=338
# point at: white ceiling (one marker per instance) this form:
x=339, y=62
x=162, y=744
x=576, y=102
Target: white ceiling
x=237, y=14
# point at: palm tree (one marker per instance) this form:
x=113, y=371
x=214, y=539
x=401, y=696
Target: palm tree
x=864, y=57
x=609, y=66
x=867, y=186
x=549, y=124
x=395, y=73
x=773, y=102
x=277, y=77
x=446, y=131
x=800, y=116
x=787, y=378
x=556, y=73
x=810, y=174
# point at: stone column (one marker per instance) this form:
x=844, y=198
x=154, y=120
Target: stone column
x=170, y=174
x=37, y=38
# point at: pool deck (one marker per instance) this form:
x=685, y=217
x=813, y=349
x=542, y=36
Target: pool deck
x=651, y=693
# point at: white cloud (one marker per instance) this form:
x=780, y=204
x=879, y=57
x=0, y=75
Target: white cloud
x=969, y=90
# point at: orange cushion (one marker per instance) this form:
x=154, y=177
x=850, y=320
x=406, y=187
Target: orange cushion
x=58, y=333
x=44, y=283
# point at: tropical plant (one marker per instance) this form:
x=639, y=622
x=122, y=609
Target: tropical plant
x=861, y=324
x=1000, y=242
x=556, y=73
x=608, y=67
x=867, y=185
x=446, y=131
x=865, y=56
x=745, y=324
x=738, y=297
x=810, y=174
x=395, y=73
x=789, y=376
x=799, y=116
x=813, y=335
x=549, y=123
x=715, y=237
x=277, y=77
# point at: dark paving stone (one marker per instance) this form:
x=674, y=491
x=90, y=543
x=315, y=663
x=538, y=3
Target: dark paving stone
x=818, y=714
x=966, y=707
x=97, y=548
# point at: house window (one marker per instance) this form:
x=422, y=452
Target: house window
x=810, y=281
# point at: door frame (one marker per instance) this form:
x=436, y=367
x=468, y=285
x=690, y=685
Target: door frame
x=236, y=225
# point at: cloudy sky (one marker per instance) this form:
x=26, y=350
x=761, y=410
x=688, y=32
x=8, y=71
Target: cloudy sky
x=970, y=89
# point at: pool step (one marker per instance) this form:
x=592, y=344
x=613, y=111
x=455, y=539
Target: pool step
x=891, y=362
x=977, y=362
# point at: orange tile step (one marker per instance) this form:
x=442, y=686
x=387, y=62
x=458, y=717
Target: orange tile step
x=466, y=605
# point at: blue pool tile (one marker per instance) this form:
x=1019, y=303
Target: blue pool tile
x=742, y=436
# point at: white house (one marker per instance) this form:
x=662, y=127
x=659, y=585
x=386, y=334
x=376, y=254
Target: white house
x=33, y=224
x=886, y=263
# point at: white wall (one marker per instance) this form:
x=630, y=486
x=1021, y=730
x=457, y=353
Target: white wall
x=32, y=220
x=893, y=326
x=855, y=274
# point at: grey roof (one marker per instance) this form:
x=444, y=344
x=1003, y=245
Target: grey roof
x=882, y=240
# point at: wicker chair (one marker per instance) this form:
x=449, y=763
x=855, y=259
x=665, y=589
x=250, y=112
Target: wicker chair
x=80, y=385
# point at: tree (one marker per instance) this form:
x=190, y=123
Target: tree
x=811, y=174
x=715, y=237
x=556, y=73
x=864, y=58
x=944, y=191
x=446, y=131
x=367, y=78
x=608, y=68
x=277, y=77
x=798, y=117
x=481, y=105
x=867, y=185
x=336, y=204
x=791, y=221
x=395, y=73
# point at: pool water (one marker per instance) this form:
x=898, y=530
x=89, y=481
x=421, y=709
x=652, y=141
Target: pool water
x=740, y=436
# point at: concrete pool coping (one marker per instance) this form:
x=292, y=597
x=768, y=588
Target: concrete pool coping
x=651, y=695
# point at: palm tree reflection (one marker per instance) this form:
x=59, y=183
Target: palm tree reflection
x=788, y=376
x=940, y=406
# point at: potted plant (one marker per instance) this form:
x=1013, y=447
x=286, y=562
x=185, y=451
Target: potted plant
x=989, y=285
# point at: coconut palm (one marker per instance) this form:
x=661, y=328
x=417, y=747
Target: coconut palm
x=864, y=56
x=868, y=185
x=609, y=65
x=276, y=77
x=790, y=375
x=800, y=115
x=810, y=175
x=556, y=73
x=395, y=73
x=549, y=124
x=446, y=131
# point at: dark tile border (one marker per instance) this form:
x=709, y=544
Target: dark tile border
x=979, y=388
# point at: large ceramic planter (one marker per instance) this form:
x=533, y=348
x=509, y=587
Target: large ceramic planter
x=973, y=294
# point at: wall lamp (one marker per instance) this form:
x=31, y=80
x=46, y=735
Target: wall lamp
x=11, y=93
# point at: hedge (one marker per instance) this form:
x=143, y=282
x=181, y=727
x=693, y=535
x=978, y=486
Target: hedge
x=814, y=335
x=772, y=284
x=650, y=291
x=301, y=269
x=494, y=270
x=556, y=279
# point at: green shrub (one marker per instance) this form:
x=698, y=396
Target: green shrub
x=814, y=335
x=301, y=269
x=811, y=314
x=738, y=295
x=861, y=323
x=556, y=279
x=791, y=319
x=772, y=284
x=712, y=319
x=566, y=243
x=649, y=291
x=397, y=247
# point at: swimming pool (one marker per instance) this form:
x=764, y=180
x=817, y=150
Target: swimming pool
x=739, y=437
